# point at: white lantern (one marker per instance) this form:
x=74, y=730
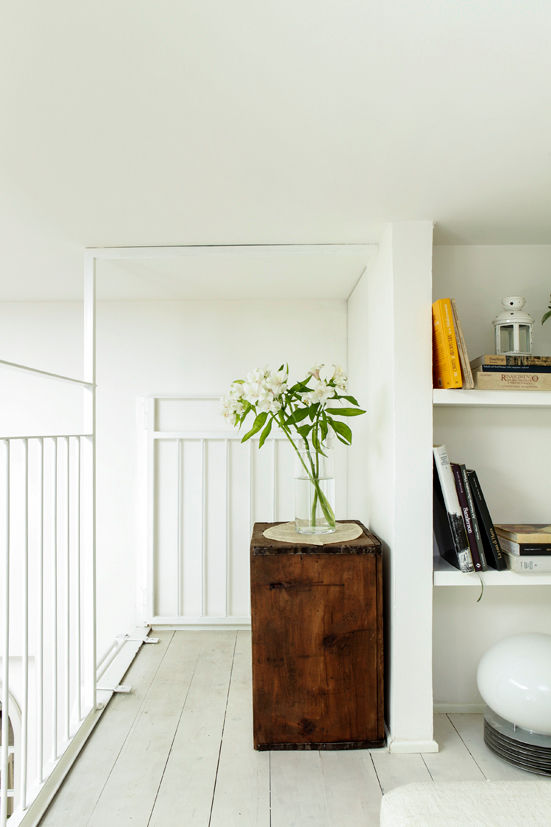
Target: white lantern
x=513, y=328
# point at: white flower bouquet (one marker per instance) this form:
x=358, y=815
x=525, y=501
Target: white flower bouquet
x=308, y=412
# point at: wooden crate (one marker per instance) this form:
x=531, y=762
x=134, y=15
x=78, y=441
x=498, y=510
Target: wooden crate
x=317, y=643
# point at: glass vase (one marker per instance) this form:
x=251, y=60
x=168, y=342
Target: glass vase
x=315, y=493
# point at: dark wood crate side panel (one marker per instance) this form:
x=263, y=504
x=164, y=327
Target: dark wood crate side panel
x=317, y=649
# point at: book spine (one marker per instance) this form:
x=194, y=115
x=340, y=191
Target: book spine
x=524, y=565
x=451, y=502
x=512, y=381
x=510, y=361
x=467, y=515
x=514, y=368
x=474, y=519
x=494, y=555
x=447, y=370
x=466, y=372
x=525, y=549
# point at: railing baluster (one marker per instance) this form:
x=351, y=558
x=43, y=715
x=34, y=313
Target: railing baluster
x=25, y=610
x=77, y=578
x=251, y=486
x=40, y=648
x=54, y=592
x=274, y=480
x=204, y=538
x=227, y=609
x=6, y=639
x=179, y=543
x=68, y=591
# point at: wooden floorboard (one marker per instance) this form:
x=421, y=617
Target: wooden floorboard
x=130, y=791
x=393, y=770
x=178, y=752
x=352, y=790
x=471, y=731
x=242, y=794
x=82, y=788
x=453, y=761
x=186, y=791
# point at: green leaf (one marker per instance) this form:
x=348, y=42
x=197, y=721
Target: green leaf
x=304, y=430
x=265, y=432
x=238, y=382
x=545, y=316
x=351, y=399
x=302, y=387
x=297, y=416
x=345, y=411
x=341, y=430
x=257, y=425
x=312, y=410
x=323, y=428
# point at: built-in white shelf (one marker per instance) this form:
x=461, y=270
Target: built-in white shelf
x=500, y=399
x=446, y=575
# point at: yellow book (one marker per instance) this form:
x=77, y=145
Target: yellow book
x=446, y=365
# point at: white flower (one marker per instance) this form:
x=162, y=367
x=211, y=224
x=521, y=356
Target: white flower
x=327, y=372
x=276, y=381
x=340, y=378
x=231, y=408
x=315, y=371
x=320, y=392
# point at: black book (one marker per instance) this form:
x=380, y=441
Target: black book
x=490, y=540
x=448, y=525
x=469, y=517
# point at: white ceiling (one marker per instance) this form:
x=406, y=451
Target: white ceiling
x=231, y=274
x=211, y=122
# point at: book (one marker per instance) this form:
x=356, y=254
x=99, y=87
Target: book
x=446, y=364
x=525, y=565
x=525, y=549
x=467, y=376
x=449, y=528
x=525, y=532
x=469, y=517
x=503, y=360
x=511, y=381
x=513, y=368
x=490, y=539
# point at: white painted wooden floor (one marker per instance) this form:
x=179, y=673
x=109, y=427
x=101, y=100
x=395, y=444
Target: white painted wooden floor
x=177, y=752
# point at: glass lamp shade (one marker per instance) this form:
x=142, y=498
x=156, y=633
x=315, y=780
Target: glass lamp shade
x=514, y=679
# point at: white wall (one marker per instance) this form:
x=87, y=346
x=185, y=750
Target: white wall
x=148, y=347
x=509, y=448
x=389, y=353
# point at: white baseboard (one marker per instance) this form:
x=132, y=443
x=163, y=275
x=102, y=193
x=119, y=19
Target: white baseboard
x=473, y=709
x=398, y=747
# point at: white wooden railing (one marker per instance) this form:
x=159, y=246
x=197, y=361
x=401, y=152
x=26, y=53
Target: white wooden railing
x=48, y=691
x=48, y=666
x=204, y=494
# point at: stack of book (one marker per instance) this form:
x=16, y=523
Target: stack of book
x=526, y=546
x=451, y=368
x=500, y=372
x=464, y=533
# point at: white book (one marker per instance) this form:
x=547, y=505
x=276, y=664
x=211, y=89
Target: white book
x=527, y=564
x=451, y=503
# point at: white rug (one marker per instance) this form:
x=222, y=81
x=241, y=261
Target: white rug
x=468, y=804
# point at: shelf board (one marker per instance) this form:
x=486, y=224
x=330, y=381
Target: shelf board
x=499, y=399
x=447, y=575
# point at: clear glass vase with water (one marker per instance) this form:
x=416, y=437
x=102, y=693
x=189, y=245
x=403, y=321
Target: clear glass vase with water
x=315, y=492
